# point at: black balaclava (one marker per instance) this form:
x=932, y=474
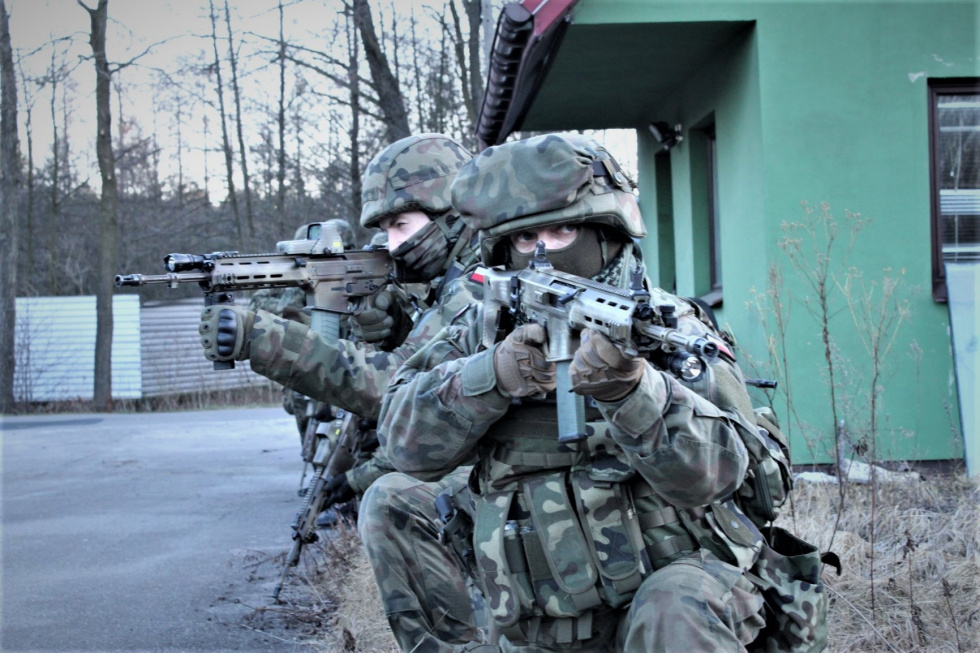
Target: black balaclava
x=423, y=256
x=584, y=257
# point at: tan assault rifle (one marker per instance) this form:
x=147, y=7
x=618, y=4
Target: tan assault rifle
x=565, y=304
x=335, y=281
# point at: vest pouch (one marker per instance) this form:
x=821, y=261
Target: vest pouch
x=571, y=588
x=788, y=573
x=665, y=535
x=612, y=534
x=501, y=573
x=769, y=480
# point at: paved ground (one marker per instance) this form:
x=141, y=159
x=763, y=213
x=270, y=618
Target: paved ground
x=144, y=532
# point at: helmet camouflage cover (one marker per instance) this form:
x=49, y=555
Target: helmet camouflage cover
x=543, y=181
x=413, y=173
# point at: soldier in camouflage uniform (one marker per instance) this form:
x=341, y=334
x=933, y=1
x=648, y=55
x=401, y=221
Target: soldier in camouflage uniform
x=405, y=193
x=627, y=540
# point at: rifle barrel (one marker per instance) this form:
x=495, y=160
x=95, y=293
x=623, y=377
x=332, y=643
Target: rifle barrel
x=130, y=280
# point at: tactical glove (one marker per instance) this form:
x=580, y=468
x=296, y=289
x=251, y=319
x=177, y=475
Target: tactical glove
x=379, y=320
x=520, y=365
x=225, y=332
x=338, y=491
x=602, y=370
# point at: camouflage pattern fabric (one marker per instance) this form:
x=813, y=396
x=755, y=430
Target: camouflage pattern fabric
x=276, y=300
x=414, y=173
x=542, y=181
x=789, y=569
x=266, y=299
x=399, y=528
x=349, y=375
x=698, y=603
x=580, y=557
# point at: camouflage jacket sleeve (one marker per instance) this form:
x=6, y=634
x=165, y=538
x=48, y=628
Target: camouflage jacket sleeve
x=363, y=475
x=349, y=375
x=440, y=404
x=342, y=373
x=685, y=446
x=684, y=438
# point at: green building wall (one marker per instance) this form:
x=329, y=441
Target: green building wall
x=818, y=103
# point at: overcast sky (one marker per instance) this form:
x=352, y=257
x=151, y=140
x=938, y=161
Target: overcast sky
x=170, y=30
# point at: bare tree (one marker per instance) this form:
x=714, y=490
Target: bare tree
x=468, y=57
x=233, y=61
x=384, y=81
x=281, y=123
x=355, y=108
x=225, y=142
x=10, y=182
x=108, y=208
x=29, y=100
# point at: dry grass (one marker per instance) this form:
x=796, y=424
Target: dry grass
x=926, y=561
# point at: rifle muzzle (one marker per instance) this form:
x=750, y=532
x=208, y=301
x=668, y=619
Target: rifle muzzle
x=124, y=280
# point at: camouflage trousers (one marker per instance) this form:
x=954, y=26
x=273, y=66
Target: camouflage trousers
x=697, y=603
x=431, y=605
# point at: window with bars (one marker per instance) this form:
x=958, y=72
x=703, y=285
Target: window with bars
x=954, y=146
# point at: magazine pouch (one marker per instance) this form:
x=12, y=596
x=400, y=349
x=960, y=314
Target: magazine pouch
x=788, y=574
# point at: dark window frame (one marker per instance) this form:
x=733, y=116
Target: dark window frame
x=938, y=87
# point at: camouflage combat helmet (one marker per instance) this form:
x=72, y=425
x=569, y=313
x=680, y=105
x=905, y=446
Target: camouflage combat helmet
x=411, y=174
x=543, y=181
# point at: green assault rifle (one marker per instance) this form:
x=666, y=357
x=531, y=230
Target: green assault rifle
x=335, y=281
x=565, y=304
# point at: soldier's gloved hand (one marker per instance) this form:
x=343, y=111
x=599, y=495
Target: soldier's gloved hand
x=602, y=370
x=520, y=365
x=338, y=491
x=377, y=321
x=224, y=332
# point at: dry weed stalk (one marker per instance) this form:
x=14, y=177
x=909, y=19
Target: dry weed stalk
x=928, y=549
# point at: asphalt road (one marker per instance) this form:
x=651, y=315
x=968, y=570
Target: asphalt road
x=144, y=532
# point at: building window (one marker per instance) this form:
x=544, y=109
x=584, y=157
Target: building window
x=954, y=147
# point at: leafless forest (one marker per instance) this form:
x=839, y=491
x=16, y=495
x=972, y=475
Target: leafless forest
x=245, y=134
